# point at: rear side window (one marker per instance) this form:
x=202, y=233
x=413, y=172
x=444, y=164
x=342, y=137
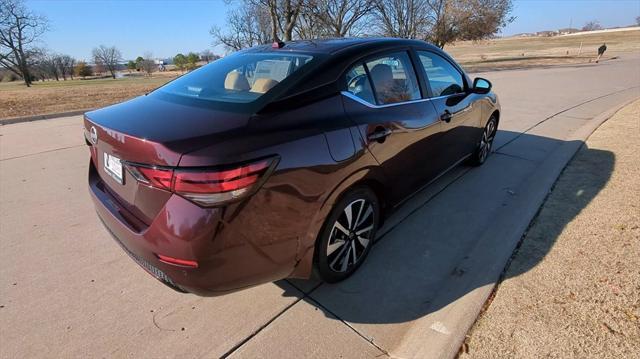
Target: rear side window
x=444, y=78
x=384, y=80
x=238, y=78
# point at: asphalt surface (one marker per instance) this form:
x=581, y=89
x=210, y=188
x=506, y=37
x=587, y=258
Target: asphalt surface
x=67, y=290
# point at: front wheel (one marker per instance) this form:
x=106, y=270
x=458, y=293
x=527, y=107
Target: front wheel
x=347, y=235
x=486, y=142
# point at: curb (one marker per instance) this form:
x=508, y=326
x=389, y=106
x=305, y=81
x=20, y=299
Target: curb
x=13, y=120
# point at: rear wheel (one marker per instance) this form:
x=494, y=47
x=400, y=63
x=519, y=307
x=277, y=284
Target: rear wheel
x=347, y=235
x=486, y=142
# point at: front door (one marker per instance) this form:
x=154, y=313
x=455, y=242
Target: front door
x=401, y=128
x=460, y=115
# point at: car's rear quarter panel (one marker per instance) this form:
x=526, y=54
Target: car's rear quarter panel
x=276, y=227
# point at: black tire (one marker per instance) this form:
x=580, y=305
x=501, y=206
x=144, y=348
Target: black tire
x=336, y=263
x=485, y=145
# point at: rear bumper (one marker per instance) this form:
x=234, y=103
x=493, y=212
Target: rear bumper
x=227, y=261
x=150, y=268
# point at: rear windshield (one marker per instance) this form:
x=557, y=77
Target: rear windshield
x=238, y=78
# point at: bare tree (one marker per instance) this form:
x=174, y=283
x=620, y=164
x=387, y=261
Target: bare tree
x=402, y=18
x=309, y=26
x=336, y=18
x=248, y=25
x=20, y=29
x=109, y=57
x=52, y=66
x=45, y=65
x=38, y=66
x=66, y=66
x=208, y=56
x=283, y=15
x=592, y=25
x=442, y=21
x=147, y=64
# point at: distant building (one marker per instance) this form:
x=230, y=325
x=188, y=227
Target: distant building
x=525, y=34
x=568, y=30
x=546, y=33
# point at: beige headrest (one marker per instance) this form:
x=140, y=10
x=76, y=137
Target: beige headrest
x=236, y=81
x=263, y=85
x=382, y=75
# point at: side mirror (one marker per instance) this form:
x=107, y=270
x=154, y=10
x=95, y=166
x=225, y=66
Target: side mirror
x=481, y=86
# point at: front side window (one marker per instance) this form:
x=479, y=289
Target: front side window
x=238, y=78
x=358, y=83
x=444, y=78
x=384, y=80
x=393, y=79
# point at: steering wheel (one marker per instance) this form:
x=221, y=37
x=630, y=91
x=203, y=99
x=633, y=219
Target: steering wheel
x=354, y=81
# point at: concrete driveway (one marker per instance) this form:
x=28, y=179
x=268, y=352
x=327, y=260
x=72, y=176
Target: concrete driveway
x=67, y=290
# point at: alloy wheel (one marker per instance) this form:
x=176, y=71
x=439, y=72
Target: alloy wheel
x=487, y=140
x=351, y=235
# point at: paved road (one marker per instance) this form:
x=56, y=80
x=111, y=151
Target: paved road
x=67, y=290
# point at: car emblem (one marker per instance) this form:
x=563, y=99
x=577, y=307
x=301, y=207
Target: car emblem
x=94, y=135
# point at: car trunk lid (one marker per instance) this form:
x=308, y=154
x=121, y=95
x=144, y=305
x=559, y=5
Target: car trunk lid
x=150, y=132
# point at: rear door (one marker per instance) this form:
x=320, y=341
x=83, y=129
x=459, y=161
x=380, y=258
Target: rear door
x=456, y=106
x=399, y=126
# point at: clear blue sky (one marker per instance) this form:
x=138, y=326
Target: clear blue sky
x=165, y=28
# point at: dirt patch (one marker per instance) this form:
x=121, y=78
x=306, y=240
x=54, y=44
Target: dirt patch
x=582, y=299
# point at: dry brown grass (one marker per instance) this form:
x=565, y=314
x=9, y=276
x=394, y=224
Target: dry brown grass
x=573, y=288
x=523, y=52
x=61, y=96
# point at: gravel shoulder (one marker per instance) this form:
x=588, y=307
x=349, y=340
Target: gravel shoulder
x=582, y=298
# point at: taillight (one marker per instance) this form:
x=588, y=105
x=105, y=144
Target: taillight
x=156, y=177
x=207, y=187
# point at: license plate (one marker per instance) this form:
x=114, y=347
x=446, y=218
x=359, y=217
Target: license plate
x=113, y=167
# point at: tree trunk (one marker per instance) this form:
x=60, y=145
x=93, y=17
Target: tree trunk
x=26, y=75
x=274, y=22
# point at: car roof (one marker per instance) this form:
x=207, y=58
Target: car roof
x=334, y=45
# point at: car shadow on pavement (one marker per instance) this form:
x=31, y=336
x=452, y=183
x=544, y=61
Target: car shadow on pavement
x=456, y=235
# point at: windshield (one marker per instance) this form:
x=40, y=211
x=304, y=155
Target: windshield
x=239, y=78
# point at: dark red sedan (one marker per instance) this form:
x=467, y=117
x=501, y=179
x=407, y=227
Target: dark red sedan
x=281, y=161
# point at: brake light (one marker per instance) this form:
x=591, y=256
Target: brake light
x=156, y=177
x=216, y=182
x=207, y=187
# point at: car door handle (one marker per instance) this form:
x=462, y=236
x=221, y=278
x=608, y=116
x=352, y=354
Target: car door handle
x=379, y=134
x=446, y=116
